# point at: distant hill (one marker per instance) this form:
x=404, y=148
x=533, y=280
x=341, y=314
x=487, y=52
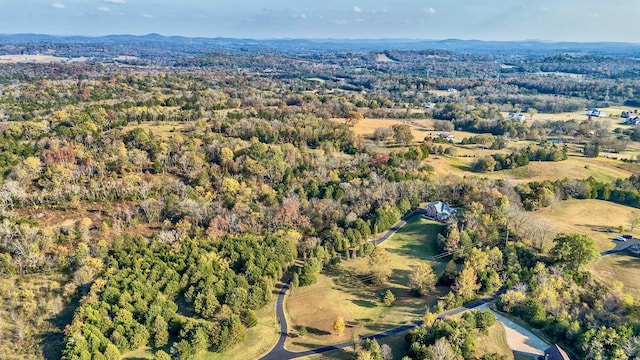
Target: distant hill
x=198, y=45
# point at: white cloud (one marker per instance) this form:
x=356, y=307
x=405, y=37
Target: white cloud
x=357, y=9
x=104, y=9
x=359, y=20
x=115, y=1
x=303, y=16
x=147, y=16
x=57, y=5
x=429, y=10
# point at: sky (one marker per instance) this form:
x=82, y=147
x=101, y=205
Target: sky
x=552, y=20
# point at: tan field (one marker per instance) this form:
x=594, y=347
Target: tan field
x=619, y=267
x=610, y=113
x=495, y=342
x=12, y=59
x=590, y=217
x=443, y=93
x=342, y=292
x=383, y=58
x=420, y=128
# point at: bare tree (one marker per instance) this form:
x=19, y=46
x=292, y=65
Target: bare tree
x=542, y=230
x=386, y=352
x=442, y=350
x=633, y=220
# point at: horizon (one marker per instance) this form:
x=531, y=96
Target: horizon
x=381, y=39
x=491, y=20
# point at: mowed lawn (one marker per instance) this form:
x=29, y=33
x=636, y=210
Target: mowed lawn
x=344, y=291
x=590, y=217
x=619, y=267
x=494, y=342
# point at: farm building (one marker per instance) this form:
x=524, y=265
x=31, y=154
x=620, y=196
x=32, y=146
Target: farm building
x=440, y=211
x=516, y=116
x=447, y=136
x=594, y=112
x=555, y=353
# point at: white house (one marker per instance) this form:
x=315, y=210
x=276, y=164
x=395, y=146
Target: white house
x=517, y=116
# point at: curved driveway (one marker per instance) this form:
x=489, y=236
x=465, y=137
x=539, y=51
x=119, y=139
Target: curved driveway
x=278, y=352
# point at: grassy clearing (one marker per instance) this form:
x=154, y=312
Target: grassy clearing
x=619, y=267
x=396, y=342
x=601, y=169
x=164, y=129
x=611, y=113
x=590, y=217
x=494, y=342
x=341, y=292
x=577, y=167
x=420, y=128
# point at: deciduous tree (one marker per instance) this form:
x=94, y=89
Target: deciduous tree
x=466, y=283
x=422, y=280
x=575, y=250
x=379, y=265
x=338, y=325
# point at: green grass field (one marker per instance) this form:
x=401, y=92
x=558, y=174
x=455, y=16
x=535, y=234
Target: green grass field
x=341, y=292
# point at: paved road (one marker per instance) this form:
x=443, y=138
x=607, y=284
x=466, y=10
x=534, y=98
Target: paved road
x=278, y=352
x=620, y=246
x=519, y=338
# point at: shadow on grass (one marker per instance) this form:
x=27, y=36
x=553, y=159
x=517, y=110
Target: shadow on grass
x=629, y=263
x=312, y=331
x=305, y=345
x=365, y=303
x=518, y=355
x=351, y=282
x=399, y=276
x=462, y=167
x=52, y=342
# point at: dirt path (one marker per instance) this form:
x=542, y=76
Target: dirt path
x=518, y=338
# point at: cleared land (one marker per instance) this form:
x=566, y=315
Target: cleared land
x=619, y=267
x=341, y=291
x=590, y=217
x=12, y=59
x=494, y=342
x=607, y=167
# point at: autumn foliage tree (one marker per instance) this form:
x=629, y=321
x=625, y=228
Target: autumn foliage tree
x=339, y=325
x=422, y=279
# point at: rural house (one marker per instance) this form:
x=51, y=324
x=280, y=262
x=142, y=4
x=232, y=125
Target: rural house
x=516, y=116
x=555, y=353
x=440, y=211
x=447, y=136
